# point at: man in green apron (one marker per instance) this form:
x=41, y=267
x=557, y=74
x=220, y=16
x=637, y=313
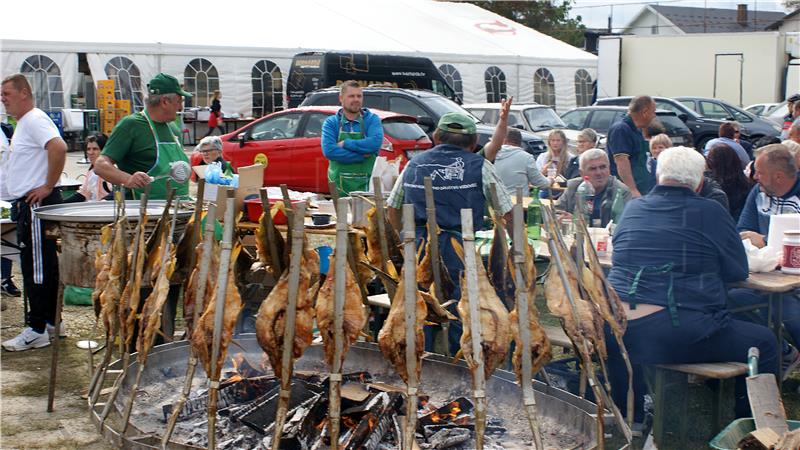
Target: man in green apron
x=628, y=149
x=351, y=140
x=144, y=144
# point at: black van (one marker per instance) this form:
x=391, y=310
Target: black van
x=311, y=71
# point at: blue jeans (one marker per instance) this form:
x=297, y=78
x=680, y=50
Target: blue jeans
x=791, y=309
x=701, y=337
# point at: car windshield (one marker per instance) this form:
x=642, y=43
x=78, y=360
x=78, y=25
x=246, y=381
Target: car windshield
x=404, y=131
x=543, y=119
x=442, y=106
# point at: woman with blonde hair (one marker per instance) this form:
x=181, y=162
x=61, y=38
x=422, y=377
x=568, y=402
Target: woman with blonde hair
x=556, y=155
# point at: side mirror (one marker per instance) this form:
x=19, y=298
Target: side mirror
x=242, y=138
x=426, y=123
x=683, y=116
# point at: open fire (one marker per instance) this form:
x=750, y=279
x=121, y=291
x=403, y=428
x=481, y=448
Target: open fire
x=371, y=418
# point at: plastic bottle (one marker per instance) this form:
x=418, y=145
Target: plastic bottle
x=616, y=208
x=534, y=216
x=585, y=199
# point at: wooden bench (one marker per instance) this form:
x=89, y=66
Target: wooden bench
x=661, y=377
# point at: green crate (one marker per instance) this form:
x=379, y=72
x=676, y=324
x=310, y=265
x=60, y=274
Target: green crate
x=728, y=438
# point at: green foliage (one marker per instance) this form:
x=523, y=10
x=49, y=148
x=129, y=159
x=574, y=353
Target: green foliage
x=546, y=16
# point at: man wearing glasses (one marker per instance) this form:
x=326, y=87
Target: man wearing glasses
x=729, y=133
x=144, y=144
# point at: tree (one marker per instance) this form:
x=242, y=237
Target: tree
x=547, y=16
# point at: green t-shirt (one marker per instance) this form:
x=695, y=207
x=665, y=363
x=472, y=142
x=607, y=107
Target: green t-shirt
x=131, y=144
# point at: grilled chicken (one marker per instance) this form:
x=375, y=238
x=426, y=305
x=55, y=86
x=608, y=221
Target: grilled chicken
x=190, y=301
x=395, y=258
x=129, y=304
x=203, y=334
x=495, y=325
x=541, y=350
x=111, y=295
x=271, y=319
x=354, y=316
x=365, y=274
x=392, y=337
x=588, y=327
x=150, y=321
x=499, y=267
x=102, y=265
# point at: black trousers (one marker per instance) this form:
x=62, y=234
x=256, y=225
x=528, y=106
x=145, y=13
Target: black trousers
x=39, y=262
x=700, y=337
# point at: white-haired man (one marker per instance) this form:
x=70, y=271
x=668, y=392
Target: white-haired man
x=595, y=165
x=674, y=251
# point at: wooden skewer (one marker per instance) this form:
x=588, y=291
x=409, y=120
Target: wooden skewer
x=433, y=238
x=145, y=348
x=410, y=295
x=340, y=280
x=478, y=374
x=202, y=276
x=222, y=286
x=270, y=226
x=528, y=397
x=288, y=331
x=380, y=216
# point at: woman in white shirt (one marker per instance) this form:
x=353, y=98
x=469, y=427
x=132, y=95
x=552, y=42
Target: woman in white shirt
x=94, y=188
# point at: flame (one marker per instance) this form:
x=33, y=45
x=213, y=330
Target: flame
x=371, y=421
x=349, y=422
x=322, y=424
x=449, y=416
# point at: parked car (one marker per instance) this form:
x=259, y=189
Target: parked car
x=703, y=128
x=540, y=120
x=778, y=113
x=600, y=118
x=761, y=109
x=753, y=127
x=290, y=142
x=426, y=106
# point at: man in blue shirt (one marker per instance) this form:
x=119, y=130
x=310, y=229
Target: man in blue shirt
x=777, y=192
x=351, y=140
x=627, y=149
x=728, y=132
x=673, y=253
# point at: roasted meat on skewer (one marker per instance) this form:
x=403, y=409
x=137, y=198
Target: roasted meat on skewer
x=354, y=316
x=111, y=295
x=129, y=304
x=392, y=337
x=499, y=266
x=203, y=334
x=102, y=265
x=495, y=325
x=541, y=350
x=150, y=321
x=190, y=301
x=271, y=319
x=262, y=244
x=395, y=258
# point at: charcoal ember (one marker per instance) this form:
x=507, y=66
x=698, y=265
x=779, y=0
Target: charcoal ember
x=491, y=430
x=260, y=414
x=457, y=412
x=447, y=438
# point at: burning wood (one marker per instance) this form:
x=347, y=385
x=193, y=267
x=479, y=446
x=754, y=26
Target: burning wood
x=457, y=412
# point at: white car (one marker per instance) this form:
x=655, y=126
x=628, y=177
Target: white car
x=761, y=109
x=540, y=120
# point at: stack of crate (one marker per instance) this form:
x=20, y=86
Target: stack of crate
x=122, y=109
x=106, y=103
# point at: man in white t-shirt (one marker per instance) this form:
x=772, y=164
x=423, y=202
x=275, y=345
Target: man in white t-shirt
x=31, y=172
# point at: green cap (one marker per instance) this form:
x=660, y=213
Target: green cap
x=455, y=122
x=166, y=84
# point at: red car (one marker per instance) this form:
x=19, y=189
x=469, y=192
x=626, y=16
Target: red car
x=288, y=142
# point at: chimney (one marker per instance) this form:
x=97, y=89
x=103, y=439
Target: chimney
x=741, y=14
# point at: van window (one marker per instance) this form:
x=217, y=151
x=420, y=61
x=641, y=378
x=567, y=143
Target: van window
x=575, y=120
x=283, y=126
x=405, y=106
x=601, y=120
x=714, y=110
x=667, y=106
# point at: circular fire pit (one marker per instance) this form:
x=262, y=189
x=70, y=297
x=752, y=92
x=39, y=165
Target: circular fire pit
x=566, y=421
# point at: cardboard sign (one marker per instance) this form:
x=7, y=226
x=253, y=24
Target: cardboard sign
x=250, y=180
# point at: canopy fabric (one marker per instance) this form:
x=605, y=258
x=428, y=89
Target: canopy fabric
x=166, y=36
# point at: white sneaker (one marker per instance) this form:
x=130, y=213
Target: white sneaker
x=27, y=340
x=62, y=331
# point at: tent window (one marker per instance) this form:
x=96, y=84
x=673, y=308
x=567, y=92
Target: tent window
x=453, y=77
x=267, y=88
x=583, y=88
x=544, y=88
x=44, y=76
x=127, y=81
x=200, y=79
x=495, y=84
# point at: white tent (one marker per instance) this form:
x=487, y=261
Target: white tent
x=482, y=49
